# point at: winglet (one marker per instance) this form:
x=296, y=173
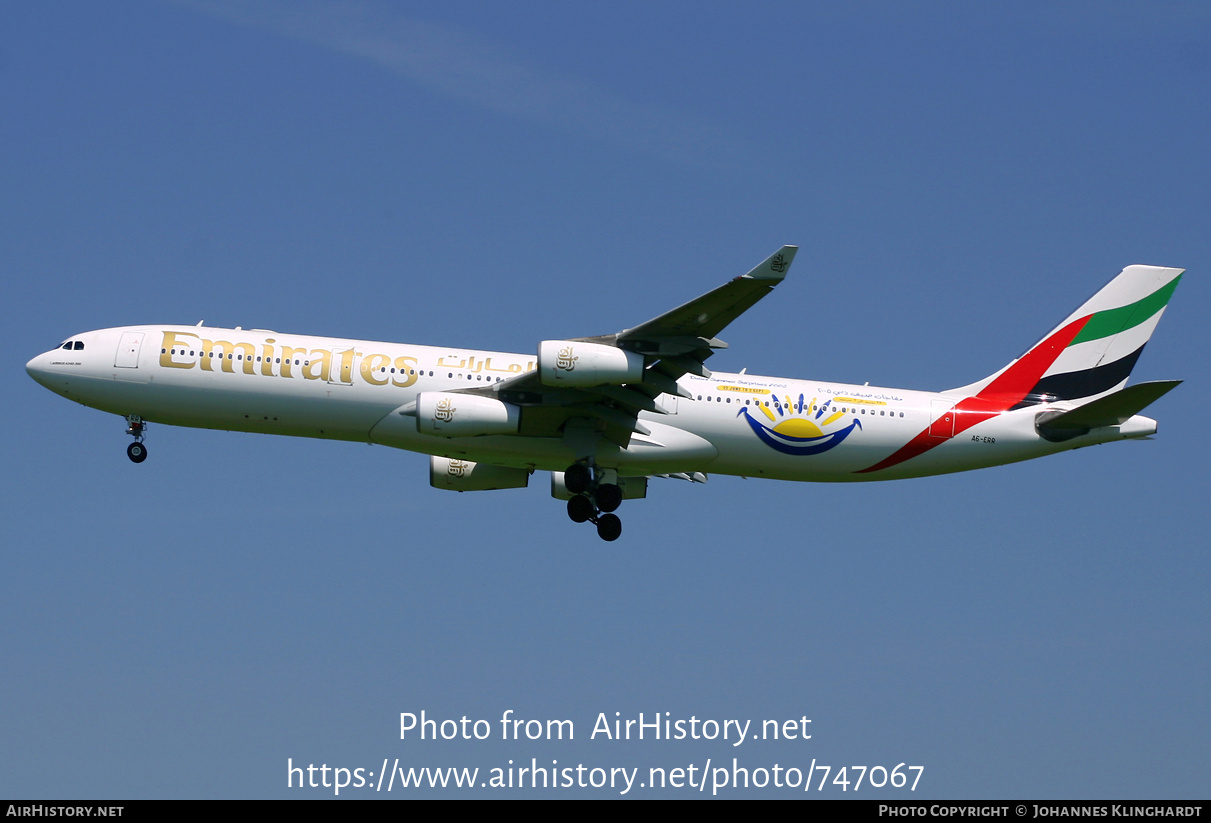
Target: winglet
x=775, y=266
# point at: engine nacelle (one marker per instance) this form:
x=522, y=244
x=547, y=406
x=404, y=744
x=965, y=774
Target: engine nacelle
x=633, y=488
x=567, y=363
x=464, y=415
x=465, y=476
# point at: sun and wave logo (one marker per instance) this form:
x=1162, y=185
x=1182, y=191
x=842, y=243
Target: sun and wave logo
x=794, y=428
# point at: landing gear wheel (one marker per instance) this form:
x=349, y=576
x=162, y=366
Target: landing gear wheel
x=609, y=527
x=577, y=478
x=137, y=452
x=608, y=497
x=580, y=509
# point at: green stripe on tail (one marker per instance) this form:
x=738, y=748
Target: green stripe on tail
x=1113, y=321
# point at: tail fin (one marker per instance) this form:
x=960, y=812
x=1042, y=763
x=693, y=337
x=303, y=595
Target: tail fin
x=1093, y=351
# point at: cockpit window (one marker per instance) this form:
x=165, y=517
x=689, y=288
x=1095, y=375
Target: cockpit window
x=79, y=345
x=66, y=345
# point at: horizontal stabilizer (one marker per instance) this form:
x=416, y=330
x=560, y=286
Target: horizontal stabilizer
x=1111, y=410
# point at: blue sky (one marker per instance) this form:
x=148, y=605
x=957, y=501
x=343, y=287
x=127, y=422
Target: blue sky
x=959, y=177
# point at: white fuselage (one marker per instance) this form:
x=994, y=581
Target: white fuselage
x=262, y=381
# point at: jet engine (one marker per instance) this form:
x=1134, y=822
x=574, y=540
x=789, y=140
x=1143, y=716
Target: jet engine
x=465, y=476
x=568, y=363
x=464, y=415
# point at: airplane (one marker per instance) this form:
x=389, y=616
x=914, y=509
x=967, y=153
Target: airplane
x=605, y=414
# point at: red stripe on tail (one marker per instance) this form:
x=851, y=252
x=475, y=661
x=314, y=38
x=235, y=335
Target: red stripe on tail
x=1005, y=391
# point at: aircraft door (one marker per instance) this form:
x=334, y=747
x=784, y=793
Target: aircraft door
x=340, y=373
x=128, y=350
x=943, y=425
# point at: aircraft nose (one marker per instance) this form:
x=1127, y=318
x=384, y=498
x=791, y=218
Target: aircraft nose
x=41, y=370
x=38, y=369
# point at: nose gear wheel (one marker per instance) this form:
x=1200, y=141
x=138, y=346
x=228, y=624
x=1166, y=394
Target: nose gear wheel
x=135, y=426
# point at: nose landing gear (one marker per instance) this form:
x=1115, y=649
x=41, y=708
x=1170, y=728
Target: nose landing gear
x=593, y=500
x=136, y=451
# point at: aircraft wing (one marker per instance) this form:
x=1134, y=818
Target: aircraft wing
x=675, y=343
x=694, y=326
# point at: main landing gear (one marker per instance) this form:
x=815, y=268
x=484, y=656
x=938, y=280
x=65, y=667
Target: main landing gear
x=593, y=501
x=136, y=451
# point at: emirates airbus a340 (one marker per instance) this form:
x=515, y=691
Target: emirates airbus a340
x=604, y=414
